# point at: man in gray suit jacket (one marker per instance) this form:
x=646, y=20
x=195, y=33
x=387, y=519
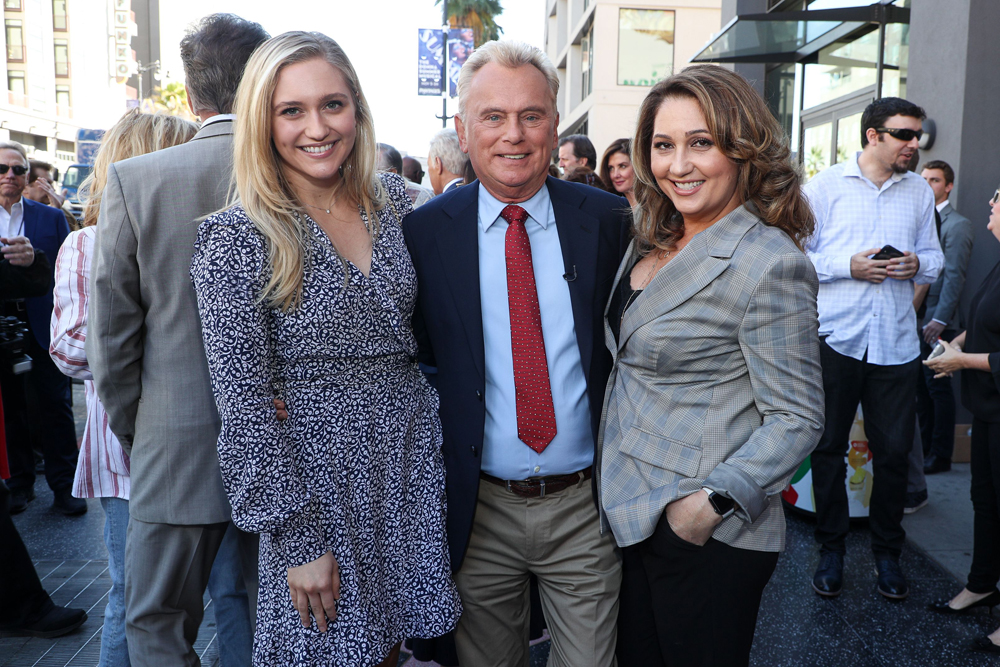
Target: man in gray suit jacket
x=943, y=319
x=145, y=349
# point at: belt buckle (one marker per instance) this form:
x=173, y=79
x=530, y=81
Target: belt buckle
x=541, y=485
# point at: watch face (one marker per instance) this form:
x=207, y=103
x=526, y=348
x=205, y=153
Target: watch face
x=722, y=504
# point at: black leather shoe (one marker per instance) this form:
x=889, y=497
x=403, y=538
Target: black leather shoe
x=829, y=577
x=942, y=607
x=985, y=645
x=58, y=621
x=935, y=464
x=891, y=582
x=19, y=500
x=65, y=502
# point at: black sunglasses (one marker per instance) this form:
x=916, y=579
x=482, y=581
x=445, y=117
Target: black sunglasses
x=996, y=198
x=19, y=170
x=900, y=133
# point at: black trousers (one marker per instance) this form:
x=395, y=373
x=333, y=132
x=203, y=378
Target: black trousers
x=689, y=606
x=24, y=599
x=887, y=397
x=935, y=407
x=39, y=415
x=985, y=490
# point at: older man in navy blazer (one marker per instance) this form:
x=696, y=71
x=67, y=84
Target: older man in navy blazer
x=514, y=272
x=37, y=405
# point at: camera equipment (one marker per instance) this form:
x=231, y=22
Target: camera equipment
x=13, y=336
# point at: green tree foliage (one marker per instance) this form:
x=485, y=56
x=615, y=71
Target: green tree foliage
x=475, y=14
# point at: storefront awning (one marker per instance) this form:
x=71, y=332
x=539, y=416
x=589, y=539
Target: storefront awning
x=790, y=37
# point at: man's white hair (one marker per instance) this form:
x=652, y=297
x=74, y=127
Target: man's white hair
x=445, y=145
x=512, y=54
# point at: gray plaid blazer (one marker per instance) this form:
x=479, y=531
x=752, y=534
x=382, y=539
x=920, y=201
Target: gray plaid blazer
x=716, y=382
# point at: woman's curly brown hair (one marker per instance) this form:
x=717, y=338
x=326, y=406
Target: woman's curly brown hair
x=745, y=131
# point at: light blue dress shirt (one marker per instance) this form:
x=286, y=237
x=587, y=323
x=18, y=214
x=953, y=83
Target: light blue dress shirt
x=853, y=215
x=504, y=454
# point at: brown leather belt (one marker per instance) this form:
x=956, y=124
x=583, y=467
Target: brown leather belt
x=539, y=487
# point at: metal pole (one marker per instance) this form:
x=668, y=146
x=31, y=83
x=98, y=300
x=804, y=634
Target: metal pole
x=447, y=81
x=881, y=55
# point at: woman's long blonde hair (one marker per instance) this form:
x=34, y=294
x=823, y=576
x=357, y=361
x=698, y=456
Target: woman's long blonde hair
x=261, y=184
x=135, y=133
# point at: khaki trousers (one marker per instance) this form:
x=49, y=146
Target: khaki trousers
x=557, y=538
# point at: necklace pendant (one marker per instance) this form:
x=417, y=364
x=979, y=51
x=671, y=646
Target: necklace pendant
x=327, y=211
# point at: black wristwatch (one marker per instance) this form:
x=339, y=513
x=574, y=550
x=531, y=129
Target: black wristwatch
x=723, y=505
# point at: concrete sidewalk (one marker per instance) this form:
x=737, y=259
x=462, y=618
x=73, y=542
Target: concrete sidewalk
x=943, y=529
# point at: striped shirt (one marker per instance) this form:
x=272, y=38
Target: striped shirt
x=852, y=215
x=102, y=470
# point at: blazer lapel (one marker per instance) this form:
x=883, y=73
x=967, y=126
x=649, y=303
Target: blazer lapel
x=458, y=247
x=579, y=235
x=28, y=218
x=698, y=264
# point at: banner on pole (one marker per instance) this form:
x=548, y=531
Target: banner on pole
x=430, y=61
x=460, y=46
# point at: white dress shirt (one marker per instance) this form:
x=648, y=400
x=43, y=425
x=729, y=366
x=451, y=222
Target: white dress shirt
x=504, y=454
x=853, y=215
x=12, y=223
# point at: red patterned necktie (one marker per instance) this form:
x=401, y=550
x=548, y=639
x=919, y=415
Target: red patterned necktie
x=536, y=419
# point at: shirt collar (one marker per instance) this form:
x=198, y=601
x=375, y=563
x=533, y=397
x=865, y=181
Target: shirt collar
x=17, y=207
x=852, y=168
x=537, y=207
x=219, y=117
x=940, y=207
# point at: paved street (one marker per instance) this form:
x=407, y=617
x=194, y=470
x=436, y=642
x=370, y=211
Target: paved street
x=796, y=627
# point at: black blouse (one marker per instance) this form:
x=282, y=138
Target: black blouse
x=980, y=393
x=621, y=299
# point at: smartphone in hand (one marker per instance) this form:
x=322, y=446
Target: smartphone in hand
x=887, y=252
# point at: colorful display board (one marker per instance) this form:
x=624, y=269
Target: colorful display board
x=858, y=478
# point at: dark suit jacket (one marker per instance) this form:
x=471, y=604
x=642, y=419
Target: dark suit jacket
x=46, y=228
x=594, y=229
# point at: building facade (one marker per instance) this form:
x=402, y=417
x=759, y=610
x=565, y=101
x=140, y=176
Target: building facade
x=68, y=66
x=609, y=52
x=820, y=62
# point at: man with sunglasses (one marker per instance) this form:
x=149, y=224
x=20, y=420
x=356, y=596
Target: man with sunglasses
x=37, y=404
x=875, y=238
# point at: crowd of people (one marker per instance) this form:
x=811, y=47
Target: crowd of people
x=360, y=411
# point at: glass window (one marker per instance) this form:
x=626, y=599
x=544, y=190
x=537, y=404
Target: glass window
x=587, y=51
x=12, y=4
x=62, y=95
x=62, y=57
x=848, y=136
x=15, y=41
x=779, y=91
x=816, y=142
x=15, y=82
x=848, y=66
x=59, y=14
x=645, y=46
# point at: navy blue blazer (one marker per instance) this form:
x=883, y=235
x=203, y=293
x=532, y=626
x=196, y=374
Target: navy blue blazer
x=46, y=228
x=594, y=230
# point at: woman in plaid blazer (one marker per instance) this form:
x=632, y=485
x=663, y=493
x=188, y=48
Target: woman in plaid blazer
x=716, y=394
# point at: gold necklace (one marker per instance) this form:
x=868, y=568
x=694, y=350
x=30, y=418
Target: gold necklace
x=320, y=208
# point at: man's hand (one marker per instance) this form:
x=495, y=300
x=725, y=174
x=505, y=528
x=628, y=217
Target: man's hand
x=865, y=268
x=50, y=192
x=18, y=250
x=932, y=332
x=315, y=587
x=905, y=267
x=692, y=518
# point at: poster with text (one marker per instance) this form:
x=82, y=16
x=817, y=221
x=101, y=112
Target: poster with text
x=430, y=61
x=460, y=46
